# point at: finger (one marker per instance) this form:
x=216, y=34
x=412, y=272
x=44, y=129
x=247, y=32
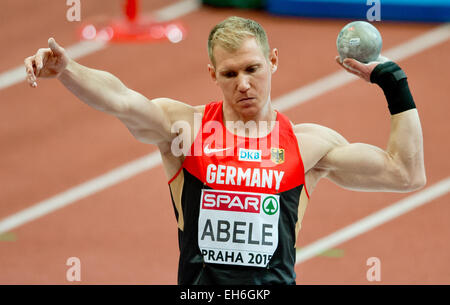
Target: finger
x=340, y=63
x=352, y=64
x=56, y=48
x=40, y=57
x=350, y=67
x=31, y=77
x=353, y=71
x=360, y=69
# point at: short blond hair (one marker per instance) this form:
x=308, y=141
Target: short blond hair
x=231, y=32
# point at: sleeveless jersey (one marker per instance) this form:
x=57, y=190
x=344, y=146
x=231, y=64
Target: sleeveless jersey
x=236, y=200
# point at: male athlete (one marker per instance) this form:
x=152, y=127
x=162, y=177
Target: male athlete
x=240, y=191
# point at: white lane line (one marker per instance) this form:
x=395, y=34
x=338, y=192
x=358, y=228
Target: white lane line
x=341, y=78
x=315, y=89
x=299, y=96
x=420, y=43
x=177, y=10
x=397, y=209
x=80, y=191
x=12, y=77
x=83, y=48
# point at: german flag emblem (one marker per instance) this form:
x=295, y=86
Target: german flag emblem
x=277, y=155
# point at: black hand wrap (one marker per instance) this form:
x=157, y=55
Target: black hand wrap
x=391, y=78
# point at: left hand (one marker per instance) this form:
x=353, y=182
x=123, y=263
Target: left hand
x=360, y=69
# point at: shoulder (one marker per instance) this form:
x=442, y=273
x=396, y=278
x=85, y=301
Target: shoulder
x=177, y=110
x=319, y=134
x=318, y=131
x=315, y=141
x=174, y=106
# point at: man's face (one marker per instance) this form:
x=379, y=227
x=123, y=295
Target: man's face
x=244, y=76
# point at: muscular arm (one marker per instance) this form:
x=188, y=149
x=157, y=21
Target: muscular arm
x=148, y=120
x=398, y=168
x=357, y=166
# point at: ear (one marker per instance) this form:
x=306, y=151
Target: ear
x=273, y=59
x=212, y=72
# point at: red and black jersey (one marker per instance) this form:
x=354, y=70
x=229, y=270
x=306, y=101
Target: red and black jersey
x=236, y=200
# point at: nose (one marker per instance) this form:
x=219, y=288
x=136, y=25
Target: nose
x=243, y=83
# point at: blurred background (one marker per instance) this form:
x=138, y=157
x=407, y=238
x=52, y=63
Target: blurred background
x=75, y=183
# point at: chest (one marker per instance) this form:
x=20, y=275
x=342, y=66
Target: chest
x=271, y=164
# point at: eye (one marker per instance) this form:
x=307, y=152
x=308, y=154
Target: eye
x=252, y=69
x=229, y=74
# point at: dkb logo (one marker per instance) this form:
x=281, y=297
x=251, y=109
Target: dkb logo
x=249, y=155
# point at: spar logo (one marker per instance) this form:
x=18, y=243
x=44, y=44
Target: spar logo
x=239, y=202
x=270, y=205
x=231, y=201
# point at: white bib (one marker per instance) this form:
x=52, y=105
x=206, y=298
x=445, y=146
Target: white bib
x=238, y=228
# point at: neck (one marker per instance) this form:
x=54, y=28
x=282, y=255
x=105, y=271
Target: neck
x=252, y=124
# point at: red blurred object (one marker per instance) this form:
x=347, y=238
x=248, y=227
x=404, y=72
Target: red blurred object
x=131, y=9
x=133, y=28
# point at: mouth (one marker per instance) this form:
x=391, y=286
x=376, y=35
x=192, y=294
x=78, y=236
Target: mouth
x=246, y=99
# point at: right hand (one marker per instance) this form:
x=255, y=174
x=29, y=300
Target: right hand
x=47, y=63
x=360, y=69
